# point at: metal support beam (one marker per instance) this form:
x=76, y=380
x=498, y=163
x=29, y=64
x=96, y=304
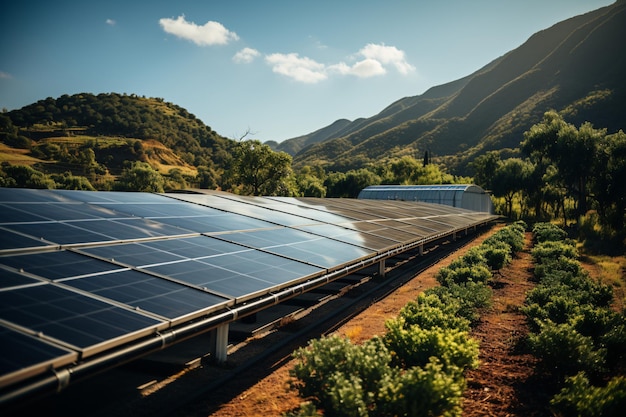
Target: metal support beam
x=381, y=268
x=421, y=250
x=219, y=343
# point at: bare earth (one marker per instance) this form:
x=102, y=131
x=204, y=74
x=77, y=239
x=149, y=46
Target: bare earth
x=499, y=387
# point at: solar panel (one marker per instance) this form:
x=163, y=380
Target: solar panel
x=22, y=356
x=302, y=246
x=57, y=264
x=149, y=293
x=88, y=272
x=12, y=240
x=76, y=320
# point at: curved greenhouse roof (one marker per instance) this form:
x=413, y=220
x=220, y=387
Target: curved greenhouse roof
x=467, y=196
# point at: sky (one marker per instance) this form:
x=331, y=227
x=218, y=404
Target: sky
x=272, y=69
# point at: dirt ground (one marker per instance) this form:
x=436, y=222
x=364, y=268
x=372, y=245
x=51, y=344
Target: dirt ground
x=501, y=386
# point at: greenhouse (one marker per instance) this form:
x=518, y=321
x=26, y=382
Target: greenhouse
x=467, y=196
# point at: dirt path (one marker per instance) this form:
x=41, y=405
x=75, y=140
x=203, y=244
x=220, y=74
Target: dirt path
x=502, y=385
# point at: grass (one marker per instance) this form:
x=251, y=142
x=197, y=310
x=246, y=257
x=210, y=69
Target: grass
x=16, y=156
x=611, y=271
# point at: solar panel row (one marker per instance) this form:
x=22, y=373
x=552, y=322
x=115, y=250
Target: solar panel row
x=86, y=272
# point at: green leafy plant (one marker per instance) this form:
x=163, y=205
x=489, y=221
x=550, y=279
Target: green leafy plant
x=580, y=398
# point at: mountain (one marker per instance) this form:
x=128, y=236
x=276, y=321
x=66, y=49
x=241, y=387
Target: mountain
x=117, y=128
x=576, y=67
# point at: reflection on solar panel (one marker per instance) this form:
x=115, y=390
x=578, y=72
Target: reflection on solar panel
x=86, y=273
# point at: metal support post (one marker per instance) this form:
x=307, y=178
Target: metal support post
x=219, y=343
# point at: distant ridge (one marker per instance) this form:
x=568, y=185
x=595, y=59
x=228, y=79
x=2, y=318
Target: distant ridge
x=576, y=66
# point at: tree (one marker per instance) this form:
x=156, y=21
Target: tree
x=609, y=184
x=140, y=176
x=573, y=151
x=257, y=170
x=484, y=169
x=509, y=179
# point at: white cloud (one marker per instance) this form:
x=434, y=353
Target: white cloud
x=110, y=22
x=246, y=55
x=387, y=55
x=211, y=33
x=362, y=69
x=5, y=75
x=303, y=69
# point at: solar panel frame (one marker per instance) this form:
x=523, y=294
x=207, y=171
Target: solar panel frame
x=230, y=250
x=23, y=356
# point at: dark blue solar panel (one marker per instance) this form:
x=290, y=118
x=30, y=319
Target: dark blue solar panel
x=65, y=211
x=239, y=273
x=61, y=233
x=134, y=254
x=14, y=214
x=11, y=279
x=129, y=228
x=11, y=240
x=19, y=351
x=149, y=293
x=57, y=264
x=68, y=316
x=112, y=196
x=166, y=209
x=160, y=251
x=300, y=246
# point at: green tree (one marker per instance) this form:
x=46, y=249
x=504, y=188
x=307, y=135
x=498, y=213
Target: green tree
x=484, y=169
x=257, y=170
x=509, y=179
x=140, y=176
x=23, y=176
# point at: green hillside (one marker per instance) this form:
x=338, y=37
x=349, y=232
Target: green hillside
x=98, y=136
x=575, y=67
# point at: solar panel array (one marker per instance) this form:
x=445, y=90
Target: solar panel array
x=82, y=273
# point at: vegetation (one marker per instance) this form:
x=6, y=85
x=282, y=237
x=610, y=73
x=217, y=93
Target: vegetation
x=579, y=340
x=417, y=367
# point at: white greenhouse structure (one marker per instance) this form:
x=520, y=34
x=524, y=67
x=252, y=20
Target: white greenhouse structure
x=467, y=196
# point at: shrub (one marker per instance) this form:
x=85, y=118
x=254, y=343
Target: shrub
x=476, y=273
x=428, y=311
x=509, y=235
x=421, y=391
x=497, y=255
x=413, y=346
x=544, y=232
x=329, y=360
x=547, y=251
x=564, y=351
x=580, y=398
x=470, y=296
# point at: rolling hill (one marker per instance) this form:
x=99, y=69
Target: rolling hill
x=575, y=67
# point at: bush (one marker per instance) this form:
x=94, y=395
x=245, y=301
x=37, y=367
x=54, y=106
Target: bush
x=580, y=398
x=413, y=346
x=476, y=273
x=547, y=251
x=421, y=391
x=548, y=232
x=429, y=311
x=563, y=351
x=497, y=254
x=329, y=360
x=470, y=297
x=510, y=235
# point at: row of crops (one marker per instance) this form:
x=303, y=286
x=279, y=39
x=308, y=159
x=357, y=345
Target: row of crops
x=579, y=340
x=417, y=367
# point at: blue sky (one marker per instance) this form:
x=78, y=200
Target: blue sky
x=276, y=68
